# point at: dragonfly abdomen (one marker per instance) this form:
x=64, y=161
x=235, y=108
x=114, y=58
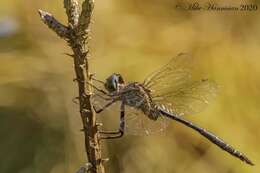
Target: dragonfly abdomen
x=210, y=136
x=219, y=142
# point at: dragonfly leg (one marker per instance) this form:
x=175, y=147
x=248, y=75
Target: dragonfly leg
x=104, y=107
x=97, y=80
x=120, y=132
x=103, y=97
x=98, y=89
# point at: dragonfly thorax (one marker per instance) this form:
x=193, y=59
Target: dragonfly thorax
x=135, y=95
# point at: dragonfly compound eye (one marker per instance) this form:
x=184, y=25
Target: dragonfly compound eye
x=113, y=81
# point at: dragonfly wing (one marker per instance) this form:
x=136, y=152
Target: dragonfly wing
x=137, y=123
x=98, y=98
x=171, y=75
x=189, y=98
x=172, y=87
x=99, y=101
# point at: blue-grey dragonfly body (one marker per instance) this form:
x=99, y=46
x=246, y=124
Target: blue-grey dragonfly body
x=168, y=92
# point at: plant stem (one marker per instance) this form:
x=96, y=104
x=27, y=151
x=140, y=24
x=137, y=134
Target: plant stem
x=77, y=36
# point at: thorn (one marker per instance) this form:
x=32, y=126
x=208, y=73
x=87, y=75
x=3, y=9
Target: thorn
x=84, y=95
x=91, y=75
x=89, y=93
x=92, y=143
x=99, y=124
x=42, y=13
x=74, y=100
x=85, y=111
x=82, y=66
x=82, y=130
x=89, y=166
x=88, y=57
x=86, y=30
x=105, y=160
x=71, y=55
x=75, y=79
x=85, y=53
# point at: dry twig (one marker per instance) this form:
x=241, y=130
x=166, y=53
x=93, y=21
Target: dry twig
x=76, y=34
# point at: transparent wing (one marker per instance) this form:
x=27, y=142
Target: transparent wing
x=189, y=98
x=98, y=98
x=110, y=116
x=172, y=75
x=173, y=88
x=136, y=123
x=139, y=124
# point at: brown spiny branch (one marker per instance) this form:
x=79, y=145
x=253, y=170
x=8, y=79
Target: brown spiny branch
x=76, y=34
x=72, y=10
x=60, y=29
x=85, y=17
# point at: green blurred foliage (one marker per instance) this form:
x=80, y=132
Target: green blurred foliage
x=40, y=124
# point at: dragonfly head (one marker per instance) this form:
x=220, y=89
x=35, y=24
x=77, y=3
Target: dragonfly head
x=113, y=82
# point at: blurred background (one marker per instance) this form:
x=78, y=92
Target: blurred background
x=40, y=126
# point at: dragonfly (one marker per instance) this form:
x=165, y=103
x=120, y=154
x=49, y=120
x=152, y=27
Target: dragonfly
x=168, y=93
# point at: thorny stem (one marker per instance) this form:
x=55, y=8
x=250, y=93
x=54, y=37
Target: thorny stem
x=77, y=35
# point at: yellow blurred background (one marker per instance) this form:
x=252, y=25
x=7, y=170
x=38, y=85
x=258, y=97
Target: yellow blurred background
x=40, y=126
